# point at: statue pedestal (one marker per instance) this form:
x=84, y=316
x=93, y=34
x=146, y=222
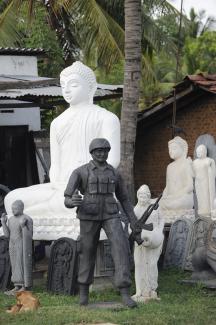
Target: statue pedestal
x=172, y=216
x=55, y=227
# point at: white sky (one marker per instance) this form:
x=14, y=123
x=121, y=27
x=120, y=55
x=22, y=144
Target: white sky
x=208, y=5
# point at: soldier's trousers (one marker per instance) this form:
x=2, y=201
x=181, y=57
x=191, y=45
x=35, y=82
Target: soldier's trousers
x=89, y=238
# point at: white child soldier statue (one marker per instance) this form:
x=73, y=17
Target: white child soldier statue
x=19, y=228
x=147, y=254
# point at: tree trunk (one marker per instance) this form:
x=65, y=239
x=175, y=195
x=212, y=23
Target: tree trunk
x=132, y=76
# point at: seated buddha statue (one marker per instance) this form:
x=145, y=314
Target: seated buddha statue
x=177, y=196
x=70, y=135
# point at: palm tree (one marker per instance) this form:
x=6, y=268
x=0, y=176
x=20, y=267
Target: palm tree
x=199, y=23
x=132, y=77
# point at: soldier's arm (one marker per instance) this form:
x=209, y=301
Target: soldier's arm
x=122, y=196
x=72, y=199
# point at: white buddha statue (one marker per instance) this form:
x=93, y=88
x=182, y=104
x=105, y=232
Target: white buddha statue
x=70, y=135
x=177, y=199
x=204, y=173
x=147, y=254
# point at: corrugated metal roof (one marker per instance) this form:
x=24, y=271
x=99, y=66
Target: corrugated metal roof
x=52, y=91
x=21, y=51
x=12, y=87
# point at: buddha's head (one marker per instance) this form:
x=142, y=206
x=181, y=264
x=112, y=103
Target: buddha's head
x=143, y=195
x=178, y=148
x=201, y=151
x=78, y=84
x=17, y=208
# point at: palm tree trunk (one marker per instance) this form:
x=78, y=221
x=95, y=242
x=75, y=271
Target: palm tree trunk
x=132, y=76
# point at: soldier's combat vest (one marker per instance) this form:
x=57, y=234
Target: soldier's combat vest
x=102, y=183
x=99, y=202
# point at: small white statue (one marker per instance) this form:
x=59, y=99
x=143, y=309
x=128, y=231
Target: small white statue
x=205, y=173
x=147, y=254
x=70, y=135
x=177, y=196
x=19, y=230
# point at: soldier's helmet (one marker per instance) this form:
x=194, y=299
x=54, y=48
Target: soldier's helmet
x=99, y=143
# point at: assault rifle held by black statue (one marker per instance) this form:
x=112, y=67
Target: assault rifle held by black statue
x=141, y=223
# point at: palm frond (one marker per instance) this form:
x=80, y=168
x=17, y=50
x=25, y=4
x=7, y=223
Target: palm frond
x=157, y=8
x=148, y=74
x=115, y=8
x=8, y=32
x=156, y=38
x=95, y=28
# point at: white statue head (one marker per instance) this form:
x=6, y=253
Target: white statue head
x=178, y=148
x=201, y=151
x=17, y=207
x=143, y=195
x=78, y=83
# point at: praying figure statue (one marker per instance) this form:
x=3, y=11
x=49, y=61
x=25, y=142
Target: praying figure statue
x=177, y=198
x=19, y=228
x=147, y=254
x=204, y=173
x=70, y=135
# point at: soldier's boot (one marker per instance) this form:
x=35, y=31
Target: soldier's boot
x=126, y=298
x=84, y=294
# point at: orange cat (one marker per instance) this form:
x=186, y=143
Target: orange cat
x=26, y=301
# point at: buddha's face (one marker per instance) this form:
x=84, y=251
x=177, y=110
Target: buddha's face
x=75, y=89
x=175, y=151
x=201, y=151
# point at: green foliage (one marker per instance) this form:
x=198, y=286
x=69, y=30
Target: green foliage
x=38, y=34
x=180, y=304
x=115, y=76
x=200, y=53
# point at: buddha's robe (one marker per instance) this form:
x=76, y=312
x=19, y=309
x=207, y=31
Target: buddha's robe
x=178, y=193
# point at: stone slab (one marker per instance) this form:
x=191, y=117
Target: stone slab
x=179, y=235
x=198, y=238
x=5, y=268
x=63, y=267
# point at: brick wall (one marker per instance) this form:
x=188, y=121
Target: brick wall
x=151, y=154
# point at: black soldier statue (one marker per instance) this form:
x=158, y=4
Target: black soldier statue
x=99, y=183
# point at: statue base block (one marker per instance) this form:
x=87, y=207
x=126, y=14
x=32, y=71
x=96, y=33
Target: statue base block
x=172, y=216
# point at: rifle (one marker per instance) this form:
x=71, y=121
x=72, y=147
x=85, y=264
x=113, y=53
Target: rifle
x=141, y=223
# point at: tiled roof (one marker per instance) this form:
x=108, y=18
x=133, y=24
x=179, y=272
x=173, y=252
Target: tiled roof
x=191, y=84
x=206, y=82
